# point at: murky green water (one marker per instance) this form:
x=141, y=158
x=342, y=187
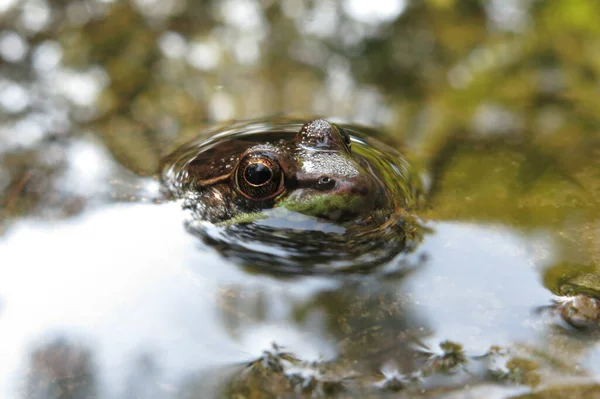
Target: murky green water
x=104, y=292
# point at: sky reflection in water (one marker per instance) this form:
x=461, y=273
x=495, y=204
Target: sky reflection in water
x=118, y=279
x=134, y=293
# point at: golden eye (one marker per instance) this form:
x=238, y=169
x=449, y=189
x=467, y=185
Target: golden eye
x=258, y=177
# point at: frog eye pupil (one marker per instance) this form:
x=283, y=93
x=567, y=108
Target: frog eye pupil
x=258, y=174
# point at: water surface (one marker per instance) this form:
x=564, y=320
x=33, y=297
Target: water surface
x=104, y=293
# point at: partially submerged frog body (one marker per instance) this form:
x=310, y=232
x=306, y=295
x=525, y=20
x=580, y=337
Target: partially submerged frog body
x=234, y=178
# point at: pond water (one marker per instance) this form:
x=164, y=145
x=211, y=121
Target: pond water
x=107, y=292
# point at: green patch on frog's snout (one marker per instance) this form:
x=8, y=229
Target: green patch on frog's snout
x=243, y=218
x=329, y=206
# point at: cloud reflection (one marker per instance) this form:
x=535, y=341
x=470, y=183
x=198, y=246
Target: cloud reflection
x=118, y=278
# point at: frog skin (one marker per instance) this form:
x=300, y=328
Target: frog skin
x=313, y=172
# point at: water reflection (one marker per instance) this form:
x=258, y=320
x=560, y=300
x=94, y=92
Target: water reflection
x=61, y=369
x=496, y=101
x=122, y=305
x=288, y=251
x=153, y=304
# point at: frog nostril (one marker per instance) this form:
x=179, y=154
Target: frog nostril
x=325, y=182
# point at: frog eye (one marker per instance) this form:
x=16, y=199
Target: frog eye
x=258, y=176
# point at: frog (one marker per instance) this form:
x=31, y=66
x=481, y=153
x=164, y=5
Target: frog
x=314, y=172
